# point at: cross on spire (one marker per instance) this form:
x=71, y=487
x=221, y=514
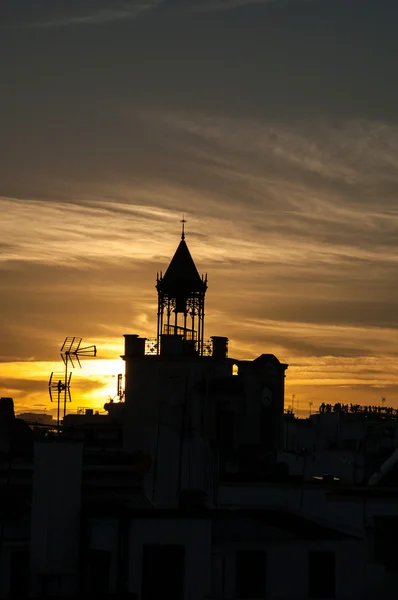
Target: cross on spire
x=183, y=221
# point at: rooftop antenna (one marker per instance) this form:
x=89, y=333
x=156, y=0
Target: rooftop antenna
x=58, y=383
x=310, y=405
x=71, y=350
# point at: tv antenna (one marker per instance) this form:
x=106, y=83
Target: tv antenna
x=71, y=351
x=57, y=384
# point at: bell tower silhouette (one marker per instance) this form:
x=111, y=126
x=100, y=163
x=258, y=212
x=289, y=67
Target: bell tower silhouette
x=181, y=300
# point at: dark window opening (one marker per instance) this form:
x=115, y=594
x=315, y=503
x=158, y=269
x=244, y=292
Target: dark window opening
x=321, y=574
x=19, y=573
x=163, y=572
x=385, y=536
x=250, y=574
x=98, y=569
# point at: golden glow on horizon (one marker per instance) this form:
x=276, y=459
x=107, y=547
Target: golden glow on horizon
x=318, y=380
x=305, y=275
x=91, y=386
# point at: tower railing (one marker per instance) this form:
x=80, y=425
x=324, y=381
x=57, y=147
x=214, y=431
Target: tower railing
x=151, y=346
x=152, y=349
x=207, y=347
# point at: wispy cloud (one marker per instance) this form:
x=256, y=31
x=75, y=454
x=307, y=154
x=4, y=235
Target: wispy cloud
x=352, y=151
x=226, y=5
x=339, y=183
x=120, y=12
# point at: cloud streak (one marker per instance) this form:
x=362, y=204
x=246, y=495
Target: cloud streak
x=228, y=5
x=121, y=12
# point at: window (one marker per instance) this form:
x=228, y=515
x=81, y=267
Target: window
x=250, y=574
x=19, y=573
x=385, y=536
x=99, y=565
x=162, y=572
x=321, y=574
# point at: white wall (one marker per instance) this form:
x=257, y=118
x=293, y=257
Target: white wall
x=194, y=534
x=287, y=561
x=55, y=515
x=161, y=483
x=159, y=390
x=351, y=513
x=312, y=501
x=287, y=568
x=164, y=445
x=348, y=466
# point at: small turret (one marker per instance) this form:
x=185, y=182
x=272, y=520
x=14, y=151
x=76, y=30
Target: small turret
x=181, y=299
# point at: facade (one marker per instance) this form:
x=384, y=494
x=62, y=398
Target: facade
x=348, y=442
x=197, y=412
x=220, y=554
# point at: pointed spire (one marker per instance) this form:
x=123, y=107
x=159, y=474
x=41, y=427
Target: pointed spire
x=181, y=276
x=183, y=221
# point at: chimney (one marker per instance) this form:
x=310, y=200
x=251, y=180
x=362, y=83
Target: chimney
x=134, y=346
x=220, y=347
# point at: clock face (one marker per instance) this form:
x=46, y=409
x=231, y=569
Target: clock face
x=266, y=397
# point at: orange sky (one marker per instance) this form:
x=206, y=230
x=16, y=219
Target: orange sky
x=102, y=299
x=279, y=142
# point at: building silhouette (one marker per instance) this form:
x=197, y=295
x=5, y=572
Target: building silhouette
x=191, y=406
x=188, y=488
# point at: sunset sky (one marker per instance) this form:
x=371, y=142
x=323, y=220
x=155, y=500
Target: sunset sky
x=273, y=125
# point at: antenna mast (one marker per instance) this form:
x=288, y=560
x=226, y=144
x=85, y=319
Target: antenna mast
x=71, y=350
x=58, y=383
x=120, y=390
